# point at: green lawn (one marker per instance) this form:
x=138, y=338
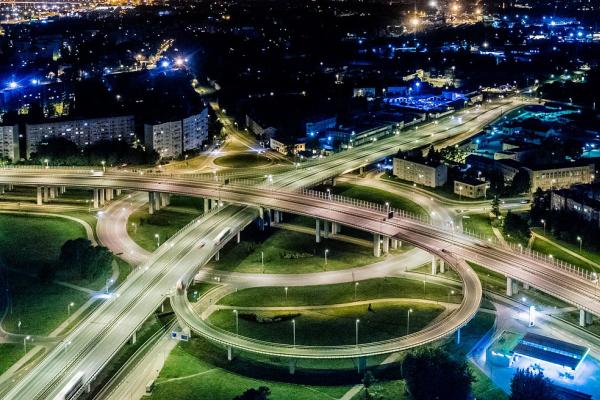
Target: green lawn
x=385, y=321
x=484, y=388
x=478, y=223
x=242, y=160
x=27, y=240
x=339, y=293
x=288, y=252
x=10, y=353
x=548, y=248
x=200, y=374
x=378, y=196
x=142, y=227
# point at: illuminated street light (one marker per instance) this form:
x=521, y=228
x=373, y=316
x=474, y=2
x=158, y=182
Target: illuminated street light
x=69, y=308
x=355, y=287
x=237, y=322
x=580, y=240
x=543, y=221
x=157, y=236
x=25, y=339
x=410, y=310
x=326, y=251
x=294, y=332
x=356, y=328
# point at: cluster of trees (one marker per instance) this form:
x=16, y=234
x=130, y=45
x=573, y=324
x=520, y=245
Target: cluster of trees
x=262, y=393
x=526, y=385
x=79, y=259
x=61, y=151
x=516, y=227
x=520, y=183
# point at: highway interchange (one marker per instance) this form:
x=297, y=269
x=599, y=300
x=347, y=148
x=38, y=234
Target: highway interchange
x=97, y=338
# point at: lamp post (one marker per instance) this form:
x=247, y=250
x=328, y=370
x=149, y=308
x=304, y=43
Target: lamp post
x=237, y=322
x=103, y=166
x=543, y=221
x=286, y=291
x=410, y=310
x=580, y=240
x=69, y=308
x=326, y=251
x=109, y=282
x=157, y=236
x=356, y=329
x=47, y=163
x=450, y=293
x=25, y=339
x=355, y=287
x=262, y=261
x=294, y=332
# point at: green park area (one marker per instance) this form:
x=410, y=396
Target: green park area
x=143, y=227
x=479, y=224
x=371, y=289
x=378, y=196
x=30, y=244
x=564, y=251
x=10, y=353
x=242, y=160
x=378, y=321
x=289, y=252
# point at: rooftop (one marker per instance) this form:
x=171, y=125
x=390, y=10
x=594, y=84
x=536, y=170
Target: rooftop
x=551, y=350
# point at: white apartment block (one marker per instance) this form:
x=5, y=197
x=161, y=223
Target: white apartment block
x=9, y=142
x=195, y=130
x=560, y=177
x=82, y=131
x=171, y=139
x=422, y=173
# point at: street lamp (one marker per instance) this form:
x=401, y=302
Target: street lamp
x=580, y=240
x=109, y=283
x=47, y=163
x=294, y=331
x=103, y=166
x=286, y=291
x=69, y=308
x=157, y=236
x=451, y=293
x=410, y=310
x=237, y=322
x=326, y=251
x=356, y=328
x=543, y=221
x=25, y=339
x=355, y=287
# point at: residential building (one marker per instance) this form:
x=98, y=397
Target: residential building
x=82, y=131
x=484, y=165
x=285, y=145
x=422, y=172
x=318, y=125
x=470, y=187
x=172, y=138
x=560, y=176
x=9, y=142
x=579, y=201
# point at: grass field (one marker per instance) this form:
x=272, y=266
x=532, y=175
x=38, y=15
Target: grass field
x=385, y=321
x=339, y=293
x=192, y=372
x=288, y=252
x=545, y=247
x=242, y=160
x=478, y=223
x=10, y=353
x=378, y=196
x=142, y=227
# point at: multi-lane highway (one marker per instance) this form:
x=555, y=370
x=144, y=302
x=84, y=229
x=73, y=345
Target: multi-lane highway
x=97, y=338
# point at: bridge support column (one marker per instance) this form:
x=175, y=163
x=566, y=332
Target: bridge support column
x=95, y=197
x=394, y=244
x=525, y=285
x=276, y=216
x=52, y=192
x=229, y=353
x=239, y=237
x=361, y=170
x=442, y=266
x=63, y=189
x=361, y=364
x=585, y=318
x=215, y=203
x=317, y=231
x=150, y=202
x=376, y=245
x=512, y=286
x=206, y=205
x=46, y=194
x=102, y=197
x=292, y=366
x=119, y=191
x=218, y=256
x=157, y=201
x=386, y=244
x=458, y=336
x=1, y=189
x=134, y=337
x=326, y=229
x=39, y=195
x=434, y=261
x=164, y=199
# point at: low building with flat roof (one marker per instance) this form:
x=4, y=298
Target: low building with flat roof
x=551, y=350
x=470, y=187
x=560, y=176
x=423, y=172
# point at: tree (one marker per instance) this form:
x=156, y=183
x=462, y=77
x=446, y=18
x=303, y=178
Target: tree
x=83, y=259
x=516, y=226
x=367, y=381
x=431, y=373
x=262, y=393
x=520, y=183
x=496, y=206
x=526, y=385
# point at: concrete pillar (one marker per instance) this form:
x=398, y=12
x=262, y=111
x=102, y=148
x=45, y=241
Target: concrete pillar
x=386, y=244
x=509, y=286
x=585, y=318
x=157, y=201
x=102, y=200
x=215, y=203
x=150, y=203
x=361, y=170
x=1, y=189
x=582, y=318
x=292, y=366
x=218, y=256
x=229, y=353
x=442, y=266
x=239, y=237
x=206, y=205
x=134, y=337
x=525, y=285
x=46, y=193
x=333, y=181
x=276, y=216
x=317, y=231
x=95, y=197
x=326, y=229
x=119, y=191
x=39, y=195
x=376, y=245
x=434, y=261
x=63, y=189
x=52, y=192
x=458, y=336
x=168, y=199
x=361, y=364
x=394, y=244
x=164, y=199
